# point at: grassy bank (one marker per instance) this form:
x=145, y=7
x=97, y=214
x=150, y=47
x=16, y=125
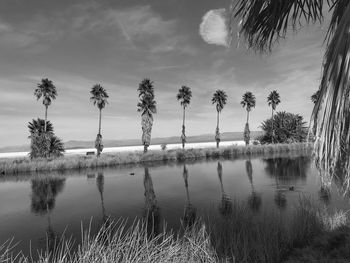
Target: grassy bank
x=311, y=234
x=25, y=165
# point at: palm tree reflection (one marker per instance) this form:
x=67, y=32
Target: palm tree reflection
x=44, y=193
x=152, y=211
x=100, y=182
x=190, y=211
x=225, y=207
x=254, y=199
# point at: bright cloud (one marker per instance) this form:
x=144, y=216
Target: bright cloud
x=213, y=28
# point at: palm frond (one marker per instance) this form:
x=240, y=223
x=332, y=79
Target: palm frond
x=99, y=96
x=248, y=101
x=47, y=90
x=273, y=99
x=265, y=22
x=184, y=96
x=219, y=99
x=331, y=114
x=147, y=103
x=338, y=7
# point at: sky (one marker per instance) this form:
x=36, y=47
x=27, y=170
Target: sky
x=79, y=43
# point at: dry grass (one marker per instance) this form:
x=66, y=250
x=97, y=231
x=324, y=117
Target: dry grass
x=25, y=165
x=116, y=242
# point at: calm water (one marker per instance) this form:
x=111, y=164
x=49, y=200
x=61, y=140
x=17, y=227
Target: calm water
x=33, y=208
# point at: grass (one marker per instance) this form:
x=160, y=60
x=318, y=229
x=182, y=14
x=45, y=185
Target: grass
x=25, y=165
x=240, y=236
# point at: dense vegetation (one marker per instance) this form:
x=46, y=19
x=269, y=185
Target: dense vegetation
x=284, y=127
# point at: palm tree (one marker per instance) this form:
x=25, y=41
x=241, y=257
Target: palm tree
x=263, y=23
x=273, y=100
x=47, y=90
x=184, y=96
x=248, y=102
x=220, y=99
x=99, y=98
x=147, y=107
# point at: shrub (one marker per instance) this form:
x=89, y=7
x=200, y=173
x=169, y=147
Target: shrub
x=284, y=127
x=44, y=144
x=163, y=146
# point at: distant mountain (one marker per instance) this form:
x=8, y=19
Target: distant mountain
x=74, y=144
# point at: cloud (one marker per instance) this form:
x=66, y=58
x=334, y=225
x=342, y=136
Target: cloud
x=213, y=28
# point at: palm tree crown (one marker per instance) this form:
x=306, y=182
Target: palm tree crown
x=147, y=104
x=47, y=90
x=146, y=88
x=220, y=99
x=273, y=99
x=99, y=96
x=248, y=101
x=38, y=127
x=184, y=96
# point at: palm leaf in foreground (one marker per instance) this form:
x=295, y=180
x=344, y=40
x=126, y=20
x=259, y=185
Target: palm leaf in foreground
x=331, y=113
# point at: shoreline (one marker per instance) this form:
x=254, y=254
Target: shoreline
x=15, y=166
x=118, y=149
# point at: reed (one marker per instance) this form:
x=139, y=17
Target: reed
x=25, y=165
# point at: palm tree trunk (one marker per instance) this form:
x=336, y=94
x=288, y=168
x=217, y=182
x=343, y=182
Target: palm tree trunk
x=99, y=123
x=217, y=130
x=273, y=133
x=183, y=135
x=46, y=106
x=183, y=118
x=247, y=116
x=217, y=121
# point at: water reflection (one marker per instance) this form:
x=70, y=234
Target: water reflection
x=190, y=211
x=286, y=172
x=225, y=206
x=288, y=169
x=44, y=193
x=254, y=199
x=100, y=183
x=151, y=211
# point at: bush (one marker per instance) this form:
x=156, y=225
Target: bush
x=44, y=144
x=284, y=127
x=163, y=146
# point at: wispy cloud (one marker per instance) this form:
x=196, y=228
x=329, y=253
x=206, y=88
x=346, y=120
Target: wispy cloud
x=213, y=28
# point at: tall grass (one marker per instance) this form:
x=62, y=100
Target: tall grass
x=117, y=242
x=25, y=165
x=240, y=236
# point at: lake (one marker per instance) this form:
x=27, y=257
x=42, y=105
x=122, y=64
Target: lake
x=34, y=207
